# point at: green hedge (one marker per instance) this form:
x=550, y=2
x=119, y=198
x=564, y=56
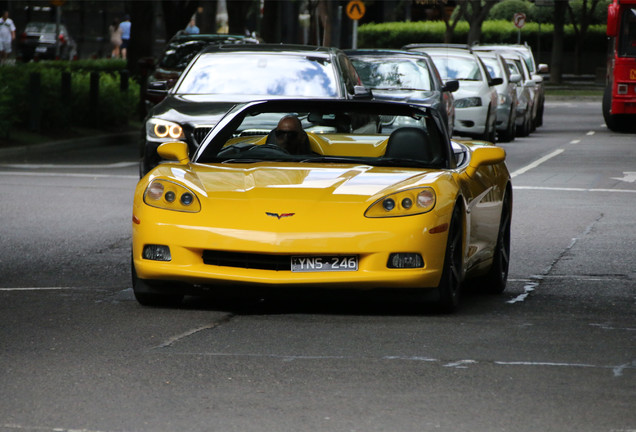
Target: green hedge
x=114, y=108
x=398, y=34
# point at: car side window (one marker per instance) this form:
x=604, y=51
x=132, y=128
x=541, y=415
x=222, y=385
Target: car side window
x=349, y=73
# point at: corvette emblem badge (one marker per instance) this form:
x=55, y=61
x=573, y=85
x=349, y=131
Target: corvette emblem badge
x=279, y=216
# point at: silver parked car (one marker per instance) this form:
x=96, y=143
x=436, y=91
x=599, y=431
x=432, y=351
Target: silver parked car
x=507, y=93
x=535, y=71
x=526, y=93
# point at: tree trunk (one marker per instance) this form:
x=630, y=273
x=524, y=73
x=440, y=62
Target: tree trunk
x=556, y=64
x=476, y=18
x=142, y=35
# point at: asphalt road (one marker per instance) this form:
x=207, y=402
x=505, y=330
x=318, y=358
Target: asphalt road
x=555, y=352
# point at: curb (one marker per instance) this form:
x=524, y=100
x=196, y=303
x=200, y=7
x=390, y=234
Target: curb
x=67, y=144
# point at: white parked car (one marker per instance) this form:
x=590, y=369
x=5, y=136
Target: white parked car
x=476, y=98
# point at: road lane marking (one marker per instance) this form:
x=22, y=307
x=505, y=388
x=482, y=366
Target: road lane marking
x=527, y=290
x=576, y=141
x=536, y=163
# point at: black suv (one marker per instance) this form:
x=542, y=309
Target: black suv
x=179, y=51
x=223, y=75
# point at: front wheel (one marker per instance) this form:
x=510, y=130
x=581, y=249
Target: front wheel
x=149, y=294
x=449, y=287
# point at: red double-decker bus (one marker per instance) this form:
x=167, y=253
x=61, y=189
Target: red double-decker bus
x=619, y=99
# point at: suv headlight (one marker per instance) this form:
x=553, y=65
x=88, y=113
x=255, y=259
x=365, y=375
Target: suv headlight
x=404, y=203
x=163, y=130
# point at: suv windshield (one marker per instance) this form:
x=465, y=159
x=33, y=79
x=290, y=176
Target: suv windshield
x=260, y=74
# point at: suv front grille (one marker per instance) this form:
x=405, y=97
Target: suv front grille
x=200, y=133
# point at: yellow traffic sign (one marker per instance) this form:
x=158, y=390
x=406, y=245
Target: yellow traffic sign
x=355, y=9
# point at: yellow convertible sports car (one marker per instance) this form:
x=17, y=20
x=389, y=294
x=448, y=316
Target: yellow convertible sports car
x=325, y=194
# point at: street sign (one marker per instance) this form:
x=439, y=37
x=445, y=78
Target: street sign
x=519, y=19
x=355, y=9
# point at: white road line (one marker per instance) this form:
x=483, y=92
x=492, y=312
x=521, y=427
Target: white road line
x=564, y=189
x=536, y=163
x=590, y=133
x=38, y=289
x=576, y=141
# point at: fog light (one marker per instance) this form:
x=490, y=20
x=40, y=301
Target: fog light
x=405, y=260
x=156, y=253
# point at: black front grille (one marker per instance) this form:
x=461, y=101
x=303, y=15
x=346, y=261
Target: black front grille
x=200, y=133
x=247, y=260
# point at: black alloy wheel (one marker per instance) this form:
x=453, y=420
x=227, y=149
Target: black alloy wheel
x=494, y=282
x=449, y=287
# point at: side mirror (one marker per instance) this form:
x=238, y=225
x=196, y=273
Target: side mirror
x=495, y=82
x=174, y=151
x=451, y=86
x=487, y=155
x=362, y=92
x=158, y=87
x=612, y=20
x=543, y=68
x=515, y=78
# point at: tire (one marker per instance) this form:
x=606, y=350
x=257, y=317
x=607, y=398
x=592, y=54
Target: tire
x=489, y=132
x=612, y=122
x=494, y=282
x=509, y=134
x=539, y=119
x=152, y=294
x=449, y=288
x=526, y=127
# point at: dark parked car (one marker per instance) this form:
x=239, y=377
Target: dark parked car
x=40, y=41
x=222, y=75
x=406, y=76
x=179, y=51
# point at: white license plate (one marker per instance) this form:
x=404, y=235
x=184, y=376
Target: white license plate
x=40, y=49
x=324, y=263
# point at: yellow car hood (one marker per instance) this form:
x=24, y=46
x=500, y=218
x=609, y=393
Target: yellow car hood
x=309, y=182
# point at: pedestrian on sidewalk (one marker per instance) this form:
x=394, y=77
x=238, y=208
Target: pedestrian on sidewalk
x=7, y=35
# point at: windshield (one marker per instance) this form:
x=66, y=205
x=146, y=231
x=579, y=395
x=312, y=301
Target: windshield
x=393, y=73
x=340, y=136
x=260, y=74
x=493, y=67
x=627, y=39
x=457, y=68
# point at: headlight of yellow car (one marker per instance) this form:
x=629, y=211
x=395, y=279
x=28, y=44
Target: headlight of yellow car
x=171, y=196
x=404, y=203
x=157, y=129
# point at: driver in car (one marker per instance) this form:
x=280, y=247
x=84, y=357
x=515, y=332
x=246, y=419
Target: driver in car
x=291, y=136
